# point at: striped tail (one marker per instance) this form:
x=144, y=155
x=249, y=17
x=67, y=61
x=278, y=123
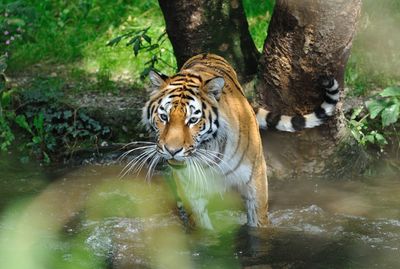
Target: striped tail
x=267, y=119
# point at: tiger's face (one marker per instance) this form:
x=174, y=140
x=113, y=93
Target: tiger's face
x=182, y=113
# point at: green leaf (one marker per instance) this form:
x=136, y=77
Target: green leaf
x=67, y=114
x=356, y=135
x=3, y=63
x=133, y=40
x=152, y=47
x=145, y=72
x=147, y=38
x=380, y=139
x=38, y=122
x=390, y=114
x=21, y=121
x=46, y=158
x=356, y=112
x=390, y=91
x=370, y=138
x=37, y=140
x=375, y=107
x=6, y=98
x=136, y=47
x=146, y=29
x=114, y=41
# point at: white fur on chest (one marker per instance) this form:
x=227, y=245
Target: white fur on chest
x=230, y=170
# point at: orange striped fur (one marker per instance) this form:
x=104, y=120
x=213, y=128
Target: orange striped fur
x=202, y=110
x=207, y=131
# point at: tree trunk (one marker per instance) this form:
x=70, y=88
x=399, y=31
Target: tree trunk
x=306, y=39
x=217, y=26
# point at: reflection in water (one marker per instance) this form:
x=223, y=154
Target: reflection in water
x=89, y=218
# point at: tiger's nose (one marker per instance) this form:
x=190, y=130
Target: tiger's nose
x=172, y=151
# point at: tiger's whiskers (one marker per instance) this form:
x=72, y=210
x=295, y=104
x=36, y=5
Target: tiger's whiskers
x=136, y=164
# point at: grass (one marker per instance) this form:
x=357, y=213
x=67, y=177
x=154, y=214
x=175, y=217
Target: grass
x=375, y=59
x=74, y=33
x=258, y=16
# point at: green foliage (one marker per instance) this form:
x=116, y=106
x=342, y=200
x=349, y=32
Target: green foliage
x=140, y=42
x=73, y=34
x=387, y=106
x=383, y=111
x=6, y=135
x=61, y=28
x=363, y=132
x=14, y=19
x=374, y=60
x=53, y=126
x=258, y=16
x=46, y=126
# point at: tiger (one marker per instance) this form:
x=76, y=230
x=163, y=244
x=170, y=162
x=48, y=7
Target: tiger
x=207, y=131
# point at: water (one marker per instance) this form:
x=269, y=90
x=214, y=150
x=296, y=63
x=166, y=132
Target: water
x=90, y=218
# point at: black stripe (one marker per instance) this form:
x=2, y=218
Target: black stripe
x=243, y=154
x=298, y=122
x=273, y=119
x=151, y=103
x=196, y=76
x=326, y=81
x=190, y=91
x=148, y=112
x=215, y=110
x=175, y=95
x=177, y=76
x=215, y=134
x=320, y=113
x=197, y=111
x=152, y=112
x=331, y=82
x=330, y=100
x=189, y=97
x=333, y=91
x=218, y=70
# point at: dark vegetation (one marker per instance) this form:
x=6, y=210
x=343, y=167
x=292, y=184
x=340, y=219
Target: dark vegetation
x=54, y=52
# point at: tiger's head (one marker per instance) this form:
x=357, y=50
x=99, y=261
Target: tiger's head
x=182, y=113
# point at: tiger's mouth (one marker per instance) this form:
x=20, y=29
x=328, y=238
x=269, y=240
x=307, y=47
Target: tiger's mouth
x=176, y=164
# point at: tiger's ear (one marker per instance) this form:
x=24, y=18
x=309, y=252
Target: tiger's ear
x=215, y=86
x=157, y=79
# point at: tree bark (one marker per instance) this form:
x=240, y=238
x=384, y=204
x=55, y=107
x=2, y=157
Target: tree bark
x=306, y=39
x=217, y=26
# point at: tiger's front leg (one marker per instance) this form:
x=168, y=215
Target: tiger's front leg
x=255, y=196
x=200, y=212
x=197, y=202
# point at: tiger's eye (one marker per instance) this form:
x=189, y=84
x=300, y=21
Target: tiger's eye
x=163, y=117
x=193, y=120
